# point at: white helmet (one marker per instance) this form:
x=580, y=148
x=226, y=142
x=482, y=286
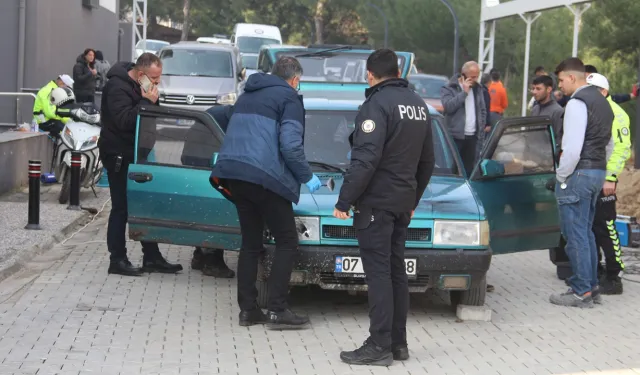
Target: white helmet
x=61, y=95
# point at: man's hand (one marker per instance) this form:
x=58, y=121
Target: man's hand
x=609, y=188
x=467, y=84
x=93, y=71
x=341, y=215
x=487, y=129
x=151, y=95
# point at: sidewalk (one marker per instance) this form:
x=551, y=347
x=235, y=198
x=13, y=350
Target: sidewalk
x=18, y=245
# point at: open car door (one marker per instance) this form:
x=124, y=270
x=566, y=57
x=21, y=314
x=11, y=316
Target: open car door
x=510, y=179
x=169, y=194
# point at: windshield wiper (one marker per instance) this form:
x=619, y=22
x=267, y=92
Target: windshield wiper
x=324, y=51
x=329, y=167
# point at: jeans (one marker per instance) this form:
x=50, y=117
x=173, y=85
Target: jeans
x=577, y=206
x=257, y=205
x=116, y=231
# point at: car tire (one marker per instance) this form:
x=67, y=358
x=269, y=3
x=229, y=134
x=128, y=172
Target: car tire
x=474, y=296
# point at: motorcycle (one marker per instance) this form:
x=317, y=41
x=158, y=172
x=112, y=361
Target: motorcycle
x=81, y=134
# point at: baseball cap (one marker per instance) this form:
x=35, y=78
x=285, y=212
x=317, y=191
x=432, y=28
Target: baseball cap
x=598, y=80
x=66, y=79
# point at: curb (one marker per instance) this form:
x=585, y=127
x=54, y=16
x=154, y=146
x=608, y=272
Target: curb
x=18, y=261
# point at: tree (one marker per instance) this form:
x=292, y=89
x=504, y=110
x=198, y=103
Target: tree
x=186, y=25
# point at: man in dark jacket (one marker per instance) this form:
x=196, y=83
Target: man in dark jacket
x=84, y=77
x=262, y=162
x=121, y=100
x=392, y=161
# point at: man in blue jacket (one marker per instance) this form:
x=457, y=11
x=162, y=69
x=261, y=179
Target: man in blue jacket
x=262, y=164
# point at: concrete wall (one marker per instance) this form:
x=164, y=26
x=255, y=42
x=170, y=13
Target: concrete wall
x=57, y=32
x=16, y=149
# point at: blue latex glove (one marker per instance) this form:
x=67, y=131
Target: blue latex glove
x=349, y=155
x=314, y=184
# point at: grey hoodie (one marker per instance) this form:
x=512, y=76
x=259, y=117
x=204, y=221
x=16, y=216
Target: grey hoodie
x=453, y=98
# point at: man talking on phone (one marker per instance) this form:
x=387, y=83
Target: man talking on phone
x=129, y=86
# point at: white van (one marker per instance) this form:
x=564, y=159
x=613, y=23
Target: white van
x=249, y=37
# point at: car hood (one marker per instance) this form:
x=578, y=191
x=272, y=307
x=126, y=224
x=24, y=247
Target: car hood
x=187, y=85
x=444, y=198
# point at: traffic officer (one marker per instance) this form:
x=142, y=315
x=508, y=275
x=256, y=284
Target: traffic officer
x=392, y=161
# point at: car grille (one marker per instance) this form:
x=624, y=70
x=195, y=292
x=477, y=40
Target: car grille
x=182, y=99
x=341, y=232
x=331, y=278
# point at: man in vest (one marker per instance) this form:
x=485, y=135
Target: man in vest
x=44, y=113
x=580, y=177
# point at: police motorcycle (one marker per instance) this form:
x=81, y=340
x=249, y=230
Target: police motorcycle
x=81, y=134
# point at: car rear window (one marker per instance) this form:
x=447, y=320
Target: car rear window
x=197, y=63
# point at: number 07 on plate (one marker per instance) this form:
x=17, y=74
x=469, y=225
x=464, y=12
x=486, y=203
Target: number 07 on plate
x=345, y=264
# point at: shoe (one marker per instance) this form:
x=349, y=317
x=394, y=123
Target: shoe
x=490, y=288
x=197, y=262
x=160, y=265
x=571, y=299
x=596, y=294
x=400, y=352
x=611, y=286
x=252, y=317
x=286, y=320
x=125, y=268
x=368, y=354
x=220, y=271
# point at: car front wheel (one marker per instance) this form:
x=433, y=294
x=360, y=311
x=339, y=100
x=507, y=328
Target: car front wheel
x=474, y=296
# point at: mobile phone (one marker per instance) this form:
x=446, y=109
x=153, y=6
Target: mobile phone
x=464, y=76
x=145, y=83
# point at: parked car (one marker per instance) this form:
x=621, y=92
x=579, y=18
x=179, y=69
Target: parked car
x=149, y=45
x=200, y=75
x=464, y=217
x=428, y=87
x=249, y=38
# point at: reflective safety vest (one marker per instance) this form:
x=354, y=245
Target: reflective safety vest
x=43, y=111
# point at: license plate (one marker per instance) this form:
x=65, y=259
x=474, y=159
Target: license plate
x=354, y=265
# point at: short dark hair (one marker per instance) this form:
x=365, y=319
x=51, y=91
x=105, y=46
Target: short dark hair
x=590, y=69
x=486, y=78
x=572, y=64
x=147, y=60
x=543, y=80
x=495, y=75
x=287, y=67
x=99, y=55
x=539, y=69
x=383, y=63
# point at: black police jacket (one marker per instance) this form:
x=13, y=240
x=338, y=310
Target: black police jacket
x=392, y=156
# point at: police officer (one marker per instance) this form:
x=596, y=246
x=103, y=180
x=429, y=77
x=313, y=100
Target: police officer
x=391, y=163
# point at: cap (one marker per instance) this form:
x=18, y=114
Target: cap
x=598, y=80
x=66, y=79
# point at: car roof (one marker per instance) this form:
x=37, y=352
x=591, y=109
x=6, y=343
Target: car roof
x=422, y=75
x=203, y=46
x=325, y=104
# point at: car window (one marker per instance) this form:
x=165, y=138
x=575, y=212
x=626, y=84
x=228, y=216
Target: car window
x=428, y=87
x=151, y=45
x=526, y=150
x=326, y=140
x=250, y=61
x=252, y=44
x=197, y=62
x=176, y=141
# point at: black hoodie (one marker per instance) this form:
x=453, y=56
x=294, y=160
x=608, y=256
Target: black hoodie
x=84, y=81
x=121, y=100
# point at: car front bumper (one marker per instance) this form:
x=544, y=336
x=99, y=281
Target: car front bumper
x=316, y=265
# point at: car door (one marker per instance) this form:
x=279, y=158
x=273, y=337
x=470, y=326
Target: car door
x=170, y=198
x=511, y=181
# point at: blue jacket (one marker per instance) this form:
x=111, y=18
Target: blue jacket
x=264, y=139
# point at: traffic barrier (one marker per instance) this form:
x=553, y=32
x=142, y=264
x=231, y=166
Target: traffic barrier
x=35, y=169
x=74, y=193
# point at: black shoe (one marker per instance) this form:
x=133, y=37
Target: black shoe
x=400, y=352
x=220, y=271
x=368, y=354
x=125, y=268
x=252, y=317
x=160, y=265
x=286, y=320
x=198, y=261
x=611, y=286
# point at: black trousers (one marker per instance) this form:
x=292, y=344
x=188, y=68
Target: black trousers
x=54, y=127
x=116, y=231
x=381, y=237
x=467, y=148
x=257, y=206
x=604, y=228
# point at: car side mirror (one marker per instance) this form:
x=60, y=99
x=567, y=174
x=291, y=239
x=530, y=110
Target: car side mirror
x=214, y=159
x=491, y=168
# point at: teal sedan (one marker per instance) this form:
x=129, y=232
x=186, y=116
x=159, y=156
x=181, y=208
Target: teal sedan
x=464, y=217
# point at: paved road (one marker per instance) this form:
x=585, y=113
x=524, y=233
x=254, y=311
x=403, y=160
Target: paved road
x=64, y=315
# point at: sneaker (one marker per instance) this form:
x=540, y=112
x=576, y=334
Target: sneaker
x=368, y=354
x=400, y=352
x=571, y=299
x=252, y=317
x=611, y=286
x=286, y=320
x=596, y=294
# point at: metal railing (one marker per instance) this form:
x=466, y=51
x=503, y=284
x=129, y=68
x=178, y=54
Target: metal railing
x=18, y=95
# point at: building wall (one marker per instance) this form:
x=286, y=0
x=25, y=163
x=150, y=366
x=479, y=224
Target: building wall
x=57, y=32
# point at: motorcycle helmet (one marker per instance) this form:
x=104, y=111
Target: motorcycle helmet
x=61, y=96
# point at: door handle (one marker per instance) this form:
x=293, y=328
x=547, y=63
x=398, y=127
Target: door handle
x=140, y=177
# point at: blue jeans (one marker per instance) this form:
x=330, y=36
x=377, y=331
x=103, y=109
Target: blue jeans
x=577, y=206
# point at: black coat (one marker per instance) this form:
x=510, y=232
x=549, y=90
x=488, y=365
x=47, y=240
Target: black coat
x=84, y=81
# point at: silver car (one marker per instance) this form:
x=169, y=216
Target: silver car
x=197, y=76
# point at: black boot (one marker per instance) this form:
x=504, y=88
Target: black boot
x=215, y=265
x=368, y=354
x=124, y=267
x=252, y=317
x=197, y=262
x=286, y=320
x=400, y=352
x=158, y=264
x=611, y=285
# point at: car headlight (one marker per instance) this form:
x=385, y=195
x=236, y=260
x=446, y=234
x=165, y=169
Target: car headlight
x=461, y=233
x=308, y=228
x=227, y=99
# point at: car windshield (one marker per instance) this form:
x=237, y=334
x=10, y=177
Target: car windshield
x=197, y=62
x=326, y=141
x=342, y=67
x=252, y=44
x=428, y=87
x=152, y=45
x=250, y=61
